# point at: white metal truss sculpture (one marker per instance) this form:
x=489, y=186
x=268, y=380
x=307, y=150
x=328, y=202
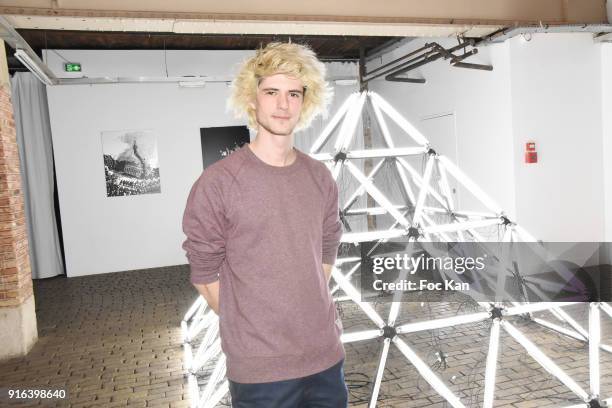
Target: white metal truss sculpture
x=429, y=213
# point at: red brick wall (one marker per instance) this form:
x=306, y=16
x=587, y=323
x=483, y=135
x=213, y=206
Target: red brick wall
x=15, y=272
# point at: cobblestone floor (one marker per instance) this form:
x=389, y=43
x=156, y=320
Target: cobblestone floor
x=114, y=340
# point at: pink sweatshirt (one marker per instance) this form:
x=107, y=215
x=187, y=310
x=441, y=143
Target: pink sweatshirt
x=264, y=232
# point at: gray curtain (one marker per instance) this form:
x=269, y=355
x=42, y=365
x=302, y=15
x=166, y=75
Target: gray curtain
x=33, y=130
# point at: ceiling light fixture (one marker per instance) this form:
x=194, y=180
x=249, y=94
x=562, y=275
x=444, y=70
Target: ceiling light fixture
x=192, y=84
x=33, y=67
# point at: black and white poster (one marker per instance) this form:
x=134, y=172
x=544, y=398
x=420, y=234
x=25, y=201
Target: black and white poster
x=130, y=162
x=219, y=142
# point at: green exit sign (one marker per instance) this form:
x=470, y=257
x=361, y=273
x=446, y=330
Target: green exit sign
x=72, y=67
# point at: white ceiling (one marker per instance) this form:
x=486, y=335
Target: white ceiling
x=481, y=11
x=248, y=27
x=406, y=18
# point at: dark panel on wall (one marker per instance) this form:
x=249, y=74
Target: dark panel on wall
x=218, y=142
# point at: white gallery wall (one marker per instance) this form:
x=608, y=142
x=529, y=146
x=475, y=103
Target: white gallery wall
x=547, y=90
x=477, y=105
x=557, y=102
x=555, y=89
x=109, y=234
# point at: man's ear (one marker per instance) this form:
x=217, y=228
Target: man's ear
x=253, y=100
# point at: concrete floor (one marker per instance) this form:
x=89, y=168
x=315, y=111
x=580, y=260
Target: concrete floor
x=114, y=340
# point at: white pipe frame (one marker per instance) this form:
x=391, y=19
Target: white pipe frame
x=332, y=124
x=570, y=320
x=491, y=367
x=377, y=194
x=373, y=153
x=196, y=320
x=462, y=226
x=470, y=185
x=356, y=237
x=361, y=189
x=594, y=343
x=446, y=193
x=418, y=211
x=544, y=360
x=443, y=322
x=398, y=119
x=535, y=307
x=217, y=395
x=606, y=308
x=428, y=374
x=346, y=133
x=374, y=210
x=379, y=373
x=420, y=183
x=560, y=329
x=360, y=336
x=215, y=378
x=390, y=144
x=350, y=290
x=349, y=125
x=347, y=276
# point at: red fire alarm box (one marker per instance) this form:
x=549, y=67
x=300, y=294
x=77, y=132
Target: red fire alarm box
x=531, y=155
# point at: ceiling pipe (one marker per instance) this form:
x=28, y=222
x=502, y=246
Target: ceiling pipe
x=510, y=32
x=430, y=52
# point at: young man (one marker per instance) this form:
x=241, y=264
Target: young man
x=263, y=231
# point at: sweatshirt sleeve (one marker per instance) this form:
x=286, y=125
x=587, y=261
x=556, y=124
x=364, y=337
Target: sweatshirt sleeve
x=332, y=227
x=204, y=224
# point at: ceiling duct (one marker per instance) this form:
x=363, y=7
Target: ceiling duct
x=601, y=32
x=430, y=52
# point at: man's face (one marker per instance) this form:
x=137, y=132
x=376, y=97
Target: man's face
x=278, y=104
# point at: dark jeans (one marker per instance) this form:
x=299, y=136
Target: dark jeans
x=322, y=390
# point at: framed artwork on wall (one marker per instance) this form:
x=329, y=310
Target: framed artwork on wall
x=130, y=162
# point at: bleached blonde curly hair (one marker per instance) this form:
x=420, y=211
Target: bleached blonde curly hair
x=294, y=60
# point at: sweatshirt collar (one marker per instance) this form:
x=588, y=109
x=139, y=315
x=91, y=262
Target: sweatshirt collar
x=268, y=168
